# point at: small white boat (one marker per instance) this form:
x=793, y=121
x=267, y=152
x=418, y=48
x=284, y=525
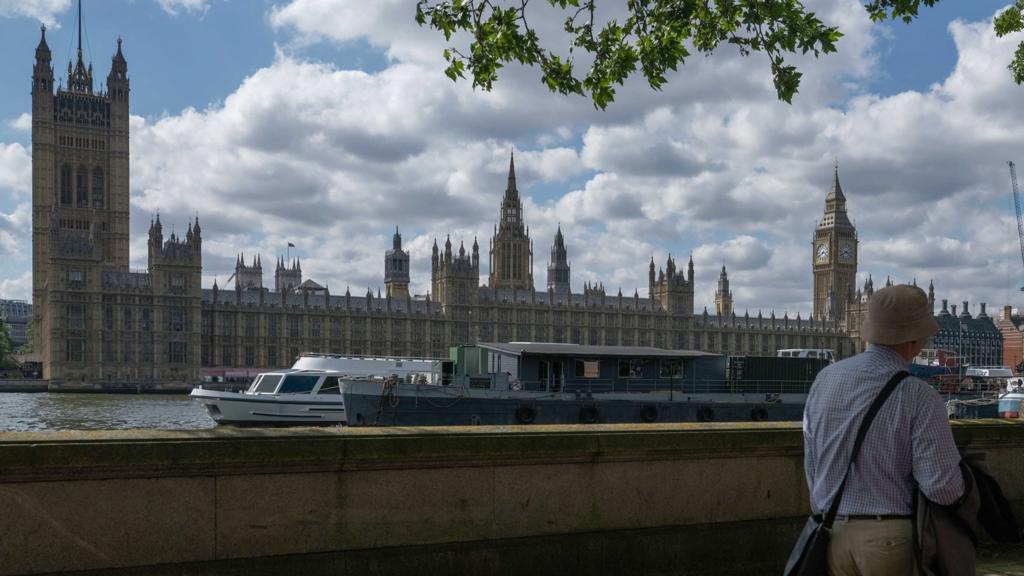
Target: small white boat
x=309, y=393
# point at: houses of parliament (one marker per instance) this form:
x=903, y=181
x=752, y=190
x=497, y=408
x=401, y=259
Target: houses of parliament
x=98, y=321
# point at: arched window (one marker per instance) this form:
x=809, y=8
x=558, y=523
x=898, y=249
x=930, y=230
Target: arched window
x=98, y=188
x=65, y=184
x=82, y=187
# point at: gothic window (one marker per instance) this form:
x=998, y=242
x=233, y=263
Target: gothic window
x=250, y=356
x=176, y=352
x=271, y=356
x=82, y=187
x=176, y=319
x=226, y=355
x=293, y=327
x=127, y=349
x=65, y=184
x=127, y=318
x=147, y=319
x=272, y=327
x=76, y=350
x=98, y=188
x=177, y=283
x=314, y=327
x=76, y=316
x=226, y=325
x=147, y=350
x=204, y=326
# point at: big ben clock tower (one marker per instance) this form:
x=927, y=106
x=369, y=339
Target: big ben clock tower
x=834, y=257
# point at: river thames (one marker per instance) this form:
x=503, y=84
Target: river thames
x=53, y=411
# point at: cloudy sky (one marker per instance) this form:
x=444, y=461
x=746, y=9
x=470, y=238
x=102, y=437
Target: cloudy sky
x=326, y=123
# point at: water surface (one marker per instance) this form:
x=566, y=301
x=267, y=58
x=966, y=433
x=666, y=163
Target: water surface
x=63, y=411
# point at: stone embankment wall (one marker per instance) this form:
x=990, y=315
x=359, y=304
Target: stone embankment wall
x=657, y=499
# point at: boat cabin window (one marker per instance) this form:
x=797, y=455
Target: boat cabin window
x=631, y=368
x=298, y=384
x=588, y=369
x=670, y=369
x=268, y=383
x=331, y=385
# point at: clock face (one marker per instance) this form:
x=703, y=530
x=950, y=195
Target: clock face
x=846, y=252
x=822, y=253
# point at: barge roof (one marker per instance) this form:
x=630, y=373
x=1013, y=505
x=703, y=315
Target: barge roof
x=557, y=349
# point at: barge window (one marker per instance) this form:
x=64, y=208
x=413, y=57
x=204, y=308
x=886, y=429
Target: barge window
x=670, y=369
x=588, y=369
x=631, y=368
x=298, y=384
x=331, y=385
x=268, y=383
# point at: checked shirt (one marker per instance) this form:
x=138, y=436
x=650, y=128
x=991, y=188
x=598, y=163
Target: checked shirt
x=909, y=441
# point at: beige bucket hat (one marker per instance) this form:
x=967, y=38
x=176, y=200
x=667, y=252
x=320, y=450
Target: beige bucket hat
x=899, y=314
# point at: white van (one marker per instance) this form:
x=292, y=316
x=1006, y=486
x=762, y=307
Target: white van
x=807, y=353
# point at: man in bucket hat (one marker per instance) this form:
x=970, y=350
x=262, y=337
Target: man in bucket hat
x=908, y=443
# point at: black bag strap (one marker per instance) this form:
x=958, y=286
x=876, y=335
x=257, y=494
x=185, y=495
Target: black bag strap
x=865, y=424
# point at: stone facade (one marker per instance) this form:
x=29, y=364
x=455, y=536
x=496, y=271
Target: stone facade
x=1010, y=325
x=95, y=320
x=257, y=328
x=98, y=321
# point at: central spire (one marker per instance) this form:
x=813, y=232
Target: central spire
x=510, y=190
x=80, y=77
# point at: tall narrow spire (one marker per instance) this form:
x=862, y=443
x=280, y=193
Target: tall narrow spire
x=836, y=193
x=511, y=191
x=79, y=29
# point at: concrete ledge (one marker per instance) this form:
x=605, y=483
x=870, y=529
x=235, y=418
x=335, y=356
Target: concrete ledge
x=38, y=456
x=698, y=550
x=716, y=498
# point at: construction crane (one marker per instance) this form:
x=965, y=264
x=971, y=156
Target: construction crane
x=1016, y=205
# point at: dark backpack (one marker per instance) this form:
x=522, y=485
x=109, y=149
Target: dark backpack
x=995, y=515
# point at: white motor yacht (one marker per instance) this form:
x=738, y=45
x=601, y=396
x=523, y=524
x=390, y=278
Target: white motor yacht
x=309, y=393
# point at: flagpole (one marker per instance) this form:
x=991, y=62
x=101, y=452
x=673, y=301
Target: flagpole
x=288, y=251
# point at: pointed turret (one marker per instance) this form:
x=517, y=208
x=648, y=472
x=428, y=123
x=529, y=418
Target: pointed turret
x=42, y=80
x=723, y=296
x=117, y=79
x=558, y=266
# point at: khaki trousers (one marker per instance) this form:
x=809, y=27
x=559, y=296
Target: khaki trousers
x=872, y=548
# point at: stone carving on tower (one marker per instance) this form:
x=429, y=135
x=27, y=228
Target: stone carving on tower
x=455, y=278
x=249, y=277
x=511, y=264
x=287, y=276
x=558, y=266
x=723, y=296
x=396, y=268
x=834, y=257
x=671, y=290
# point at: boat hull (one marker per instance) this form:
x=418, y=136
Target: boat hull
x=412, y=405
x=240, y=409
